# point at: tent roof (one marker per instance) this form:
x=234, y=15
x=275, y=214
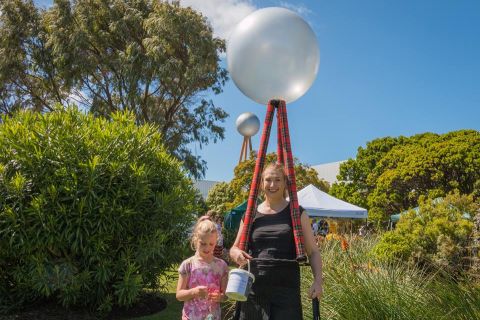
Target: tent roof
x=241, y=208
x=321, y=204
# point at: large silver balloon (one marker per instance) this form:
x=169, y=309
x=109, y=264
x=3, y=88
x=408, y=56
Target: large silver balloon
x=273, y=54
x=247, y=124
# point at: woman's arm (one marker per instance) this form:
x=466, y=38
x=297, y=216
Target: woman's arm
x=313, y=256
x=239, y=256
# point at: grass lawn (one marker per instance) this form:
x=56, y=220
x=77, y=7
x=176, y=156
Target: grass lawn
x=173, y=311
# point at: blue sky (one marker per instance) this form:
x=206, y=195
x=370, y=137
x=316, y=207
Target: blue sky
x=387, y=68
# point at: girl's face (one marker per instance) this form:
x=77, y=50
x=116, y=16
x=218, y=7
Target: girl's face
x=205, y=245
x=273, y=183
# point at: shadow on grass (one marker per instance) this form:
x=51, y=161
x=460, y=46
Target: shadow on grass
x=173, y=311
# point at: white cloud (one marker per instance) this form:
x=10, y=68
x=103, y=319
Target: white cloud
x=222, y=14
x=300, y=9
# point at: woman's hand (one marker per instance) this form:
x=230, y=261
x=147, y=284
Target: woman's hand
x=240, y=257
x=316, y=290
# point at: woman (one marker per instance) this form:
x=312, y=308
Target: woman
x=275, y=293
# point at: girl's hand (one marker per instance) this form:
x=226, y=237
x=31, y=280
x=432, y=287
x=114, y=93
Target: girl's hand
x=316, y=290
x=216, y=296
x=240, y=257
x=200, y=292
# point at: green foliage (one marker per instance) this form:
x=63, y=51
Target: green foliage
x=435, y=235
x=390, y=174
x=153, y=58
x=200, y=203
x=220, y=197
x=91, y=210
x=28, y=79
x=243, y=176
x=229, y=236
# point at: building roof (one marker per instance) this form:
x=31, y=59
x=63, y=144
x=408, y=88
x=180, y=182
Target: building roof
x=204, y=186
x=328, y=171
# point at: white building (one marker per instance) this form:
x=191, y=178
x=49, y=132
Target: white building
x=204, y=186
x=328, y=171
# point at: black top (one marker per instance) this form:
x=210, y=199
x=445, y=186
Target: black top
x=272, y=245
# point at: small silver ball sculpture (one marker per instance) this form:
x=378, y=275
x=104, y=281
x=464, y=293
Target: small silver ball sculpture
x=247, y=124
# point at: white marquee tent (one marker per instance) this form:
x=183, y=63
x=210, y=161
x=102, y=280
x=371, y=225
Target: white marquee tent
x=321, y=204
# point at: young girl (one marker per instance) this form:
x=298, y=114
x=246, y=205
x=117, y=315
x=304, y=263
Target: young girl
x=202, y=278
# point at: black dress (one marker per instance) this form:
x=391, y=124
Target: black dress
x=275, y=293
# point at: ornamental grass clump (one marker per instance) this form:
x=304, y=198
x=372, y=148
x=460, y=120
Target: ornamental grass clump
x=92, y=210
x=380, y=290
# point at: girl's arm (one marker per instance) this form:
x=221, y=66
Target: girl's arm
x=185, y=294
x=314, y=257
x=239, y=256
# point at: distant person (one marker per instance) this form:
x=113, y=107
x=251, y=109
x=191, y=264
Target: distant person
x=362, y=232
x=202, y=278
x=315, y=227
x=323, y=228
x=218, y=220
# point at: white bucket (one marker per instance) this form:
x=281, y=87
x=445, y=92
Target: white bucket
x=239, y=284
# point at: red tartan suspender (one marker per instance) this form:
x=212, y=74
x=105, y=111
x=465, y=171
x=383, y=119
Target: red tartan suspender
x=284, y=152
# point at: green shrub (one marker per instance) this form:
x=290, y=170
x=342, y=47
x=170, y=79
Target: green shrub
x=436, y=235
x=220, y=197
x=229, y=237
x=91, y=210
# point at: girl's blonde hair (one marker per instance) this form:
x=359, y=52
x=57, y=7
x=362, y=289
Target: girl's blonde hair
x=280, y=168
x=203, y=226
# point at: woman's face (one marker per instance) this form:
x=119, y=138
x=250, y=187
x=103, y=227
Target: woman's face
x=273, y=183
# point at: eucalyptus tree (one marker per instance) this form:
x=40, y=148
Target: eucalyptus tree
x=154, y=58
x=28, y=77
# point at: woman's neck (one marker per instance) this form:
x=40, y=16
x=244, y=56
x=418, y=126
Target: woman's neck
x=274, y=204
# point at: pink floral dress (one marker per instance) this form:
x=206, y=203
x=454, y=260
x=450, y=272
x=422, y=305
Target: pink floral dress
x=201, y=273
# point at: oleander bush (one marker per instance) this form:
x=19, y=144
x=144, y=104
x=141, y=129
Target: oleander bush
x=92, y=210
